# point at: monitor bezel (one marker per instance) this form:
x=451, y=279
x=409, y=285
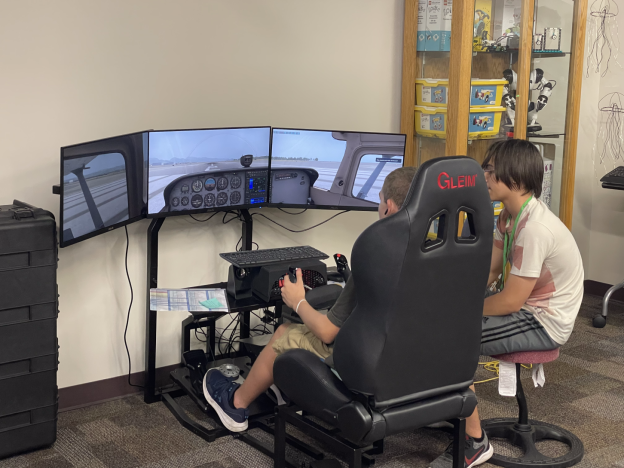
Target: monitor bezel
x=325, y=207
x=214, y=209
x=97, y=232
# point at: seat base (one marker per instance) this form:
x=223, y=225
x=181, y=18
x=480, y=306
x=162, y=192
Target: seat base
x=525, y=437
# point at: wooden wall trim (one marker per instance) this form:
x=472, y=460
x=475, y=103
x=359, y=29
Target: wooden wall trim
x=460, y=67
x=523, y=89
x=408, y=87
x=573, y=109
x=93, y=393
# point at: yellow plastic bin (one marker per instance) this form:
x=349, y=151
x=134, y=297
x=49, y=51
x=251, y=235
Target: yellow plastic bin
x=431, y=92
x=484, y=122
x=486, y=92
x=430, y=121
x=483, y=93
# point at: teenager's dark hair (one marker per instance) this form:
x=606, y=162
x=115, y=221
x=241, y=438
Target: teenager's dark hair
x=517, y=164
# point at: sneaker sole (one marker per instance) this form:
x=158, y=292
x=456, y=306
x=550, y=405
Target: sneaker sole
x=485, y=456
x=228, y=422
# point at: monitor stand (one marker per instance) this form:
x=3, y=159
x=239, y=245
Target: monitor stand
x=150, y=394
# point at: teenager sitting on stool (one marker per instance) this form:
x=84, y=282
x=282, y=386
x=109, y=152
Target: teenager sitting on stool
x=230, y=400
x=534, y=308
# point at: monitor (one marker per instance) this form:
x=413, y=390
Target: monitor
x=205, y=170
x=329, y=169
x=103, y=186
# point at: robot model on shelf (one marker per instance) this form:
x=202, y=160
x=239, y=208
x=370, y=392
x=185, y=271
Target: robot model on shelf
x=537, y=82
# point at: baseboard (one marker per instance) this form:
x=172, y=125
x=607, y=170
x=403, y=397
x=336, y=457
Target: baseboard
x=597, y=288
x=92, y=393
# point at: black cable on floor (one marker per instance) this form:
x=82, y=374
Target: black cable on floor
x=128, y=316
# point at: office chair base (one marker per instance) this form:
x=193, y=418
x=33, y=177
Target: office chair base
x=525, y=437
x=599, y=321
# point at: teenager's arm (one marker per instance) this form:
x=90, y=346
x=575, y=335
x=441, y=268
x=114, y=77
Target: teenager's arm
x=319, y=324
x=496, y=267
x=514, y=295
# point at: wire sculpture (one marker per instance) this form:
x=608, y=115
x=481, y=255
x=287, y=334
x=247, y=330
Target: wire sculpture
x=610, y=141
x=602, y=34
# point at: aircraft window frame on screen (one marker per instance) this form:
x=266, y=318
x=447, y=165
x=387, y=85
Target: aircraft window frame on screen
x=98, y=217
x=289, y=182
x=386, y=158
x=242, y=182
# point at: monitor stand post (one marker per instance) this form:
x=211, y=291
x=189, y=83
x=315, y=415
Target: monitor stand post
x=149, y=394
x=247, y=230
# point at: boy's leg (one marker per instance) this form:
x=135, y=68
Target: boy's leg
x=260, y=376
x=220, y=391
x=473, y=422
x=230, y=400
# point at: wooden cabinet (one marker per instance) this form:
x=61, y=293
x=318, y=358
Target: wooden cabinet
x=486, y=58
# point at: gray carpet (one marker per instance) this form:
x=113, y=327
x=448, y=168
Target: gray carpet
x=584, y=393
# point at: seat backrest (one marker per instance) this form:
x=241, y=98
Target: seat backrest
x=415, y=332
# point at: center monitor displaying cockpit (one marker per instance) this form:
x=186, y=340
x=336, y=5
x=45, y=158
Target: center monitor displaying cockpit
x=193, y=170
x=325, y=169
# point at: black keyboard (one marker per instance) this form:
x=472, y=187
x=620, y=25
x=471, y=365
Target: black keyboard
x=252, y=258
x=614, y=179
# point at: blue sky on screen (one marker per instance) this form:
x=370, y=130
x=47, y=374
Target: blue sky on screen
x=208, y=145
x=307, y=144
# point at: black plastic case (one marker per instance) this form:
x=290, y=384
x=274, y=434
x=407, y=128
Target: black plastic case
x=28, y=338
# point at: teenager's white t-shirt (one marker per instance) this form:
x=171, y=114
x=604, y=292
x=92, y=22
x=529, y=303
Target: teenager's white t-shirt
x=545, y=249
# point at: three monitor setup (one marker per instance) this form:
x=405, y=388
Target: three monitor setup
x=108, y=183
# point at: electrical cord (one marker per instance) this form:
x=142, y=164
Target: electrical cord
x=236, y=214
x=288, y=212
x=128, y=315
x=205, y=341
x=302, y=230
x=204, y=220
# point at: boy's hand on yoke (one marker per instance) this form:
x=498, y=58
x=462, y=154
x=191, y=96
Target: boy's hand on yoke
x=293, y=293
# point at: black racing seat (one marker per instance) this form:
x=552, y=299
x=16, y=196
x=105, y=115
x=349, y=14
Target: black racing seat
x=407, y=354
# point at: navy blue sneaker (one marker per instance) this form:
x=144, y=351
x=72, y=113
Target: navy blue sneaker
x=219, y=392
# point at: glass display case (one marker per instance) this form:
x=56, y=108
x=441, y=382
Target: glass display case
x=463, y=78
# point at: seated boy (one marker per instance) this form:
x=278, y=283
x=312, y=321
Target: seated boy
x=541, y=296
x=230, y=400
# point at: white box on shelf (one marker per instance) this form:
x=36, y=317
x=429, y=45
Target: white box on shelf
x=434, y=23
x=447, y=17
x=422, y=25
x=507, y=18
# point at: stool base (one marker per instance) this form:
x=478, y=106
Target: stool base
x=525, y=437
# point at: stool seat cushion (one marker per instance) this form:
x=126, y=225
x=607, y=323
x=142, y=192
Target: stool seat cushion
x=529, y=357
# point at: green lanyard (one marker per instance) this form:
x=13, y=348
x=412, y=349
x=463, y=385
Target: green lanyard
x=509, y=242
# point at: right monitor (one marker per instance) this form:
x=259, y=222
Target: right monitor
x=329, y=169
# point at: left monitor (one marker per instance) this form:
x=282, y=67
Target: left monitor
x=103, y=186
x=204, y=170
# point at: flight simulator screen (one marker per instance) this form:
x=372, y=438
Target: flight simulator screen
x=313, y=168
x=193, y=170
x=101, y=186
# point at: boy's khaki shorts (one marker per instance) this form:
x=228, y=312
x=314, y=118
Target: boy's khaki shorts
x=300, y=337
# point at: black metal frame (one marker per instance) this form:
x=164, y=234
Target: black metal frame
x=150, y=393
x=262, y=410
x=355, y=455
x=525, y=432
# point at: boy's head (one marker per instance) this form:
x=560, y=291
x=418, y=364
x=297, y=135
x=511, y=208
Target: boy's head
x=513, y=166
x=394, y=190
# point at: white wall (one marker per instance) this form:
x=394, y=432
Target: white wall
x=74, y=70
x=598, y=223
